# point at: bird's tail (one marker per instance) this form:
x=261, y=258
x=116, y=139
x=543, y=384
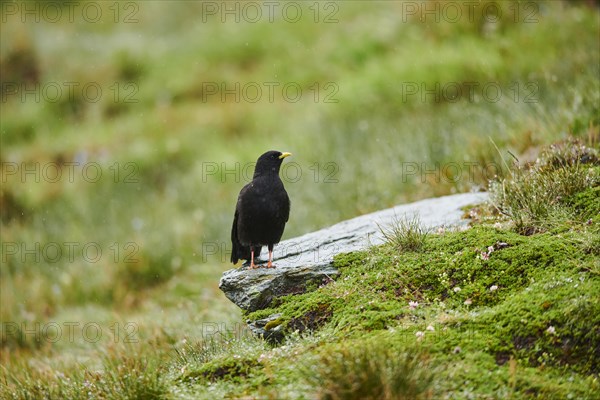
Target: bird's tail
x=241, y=252
x=238, y=252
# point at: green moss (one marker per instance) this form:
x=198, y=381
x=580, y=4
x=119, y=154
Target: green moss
x=476, y=374
x=273, y=324
x=552, y=323
x=348, y=259
x=223, y=368
x=587, y=203
x=480, y=267
x=298, y=311
x=311, y=320
x=487, y=299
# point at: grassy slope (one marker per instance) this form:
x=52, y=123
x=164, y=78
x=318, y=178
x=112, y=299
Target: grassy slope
x=481, y=313
x=170, y=294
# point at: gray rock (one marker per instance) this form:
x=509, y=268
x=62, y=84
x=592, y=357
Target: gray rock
x=267, y=328
x=307, y=259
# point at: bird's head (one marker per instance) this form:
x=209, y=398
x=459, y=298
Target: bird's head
x=269, y=163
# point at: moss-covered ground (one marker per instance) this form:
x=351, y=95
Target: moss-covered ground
x=483, y=312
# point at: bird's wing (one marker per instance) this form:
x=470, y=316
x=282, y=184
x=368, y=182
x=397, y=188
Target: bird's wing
x=286, y=204
x=287, y=209
x=238, y=250
x=234, y=239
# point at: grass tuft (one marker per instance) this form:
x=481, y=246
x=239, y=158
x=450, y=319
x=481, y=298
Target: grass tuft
x=374, y=371
x=406, y=234
x=535, y=197
x=122, y=376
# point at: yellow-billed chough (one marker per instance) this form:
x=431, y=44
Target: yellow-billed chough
x=263, y=208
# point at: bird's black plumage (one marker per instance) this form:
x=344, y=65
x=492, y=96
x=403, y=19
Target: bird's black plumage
x=263, y=208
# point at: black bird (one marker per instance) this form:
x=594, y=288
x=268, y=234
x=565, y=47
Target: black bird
x=262, y=209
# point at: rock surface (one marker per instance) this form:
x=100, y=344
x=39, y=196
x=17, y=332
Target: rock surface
x=308, y=259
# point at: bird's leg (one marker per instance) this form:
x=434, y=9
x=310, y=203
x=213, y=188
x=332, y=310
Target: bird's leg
x=252, y=265
x=270, y=263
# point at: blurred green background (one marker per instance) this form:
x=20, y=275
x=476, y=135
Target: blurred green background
x=150, y=113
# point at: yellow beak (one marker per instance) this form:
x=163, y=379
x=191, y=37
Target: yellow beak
x=284, y=155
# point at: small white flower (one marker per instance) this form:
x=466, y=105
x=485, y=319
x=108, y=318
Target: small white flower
x=419, y=335
x=468, y=302
x=456, y=289
x=430, y=328
x=490, y=249
x=485, y=256
x=413, y=304
x=493, y=288
x=441, y=230
x=551, y=330
x=497, y=225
